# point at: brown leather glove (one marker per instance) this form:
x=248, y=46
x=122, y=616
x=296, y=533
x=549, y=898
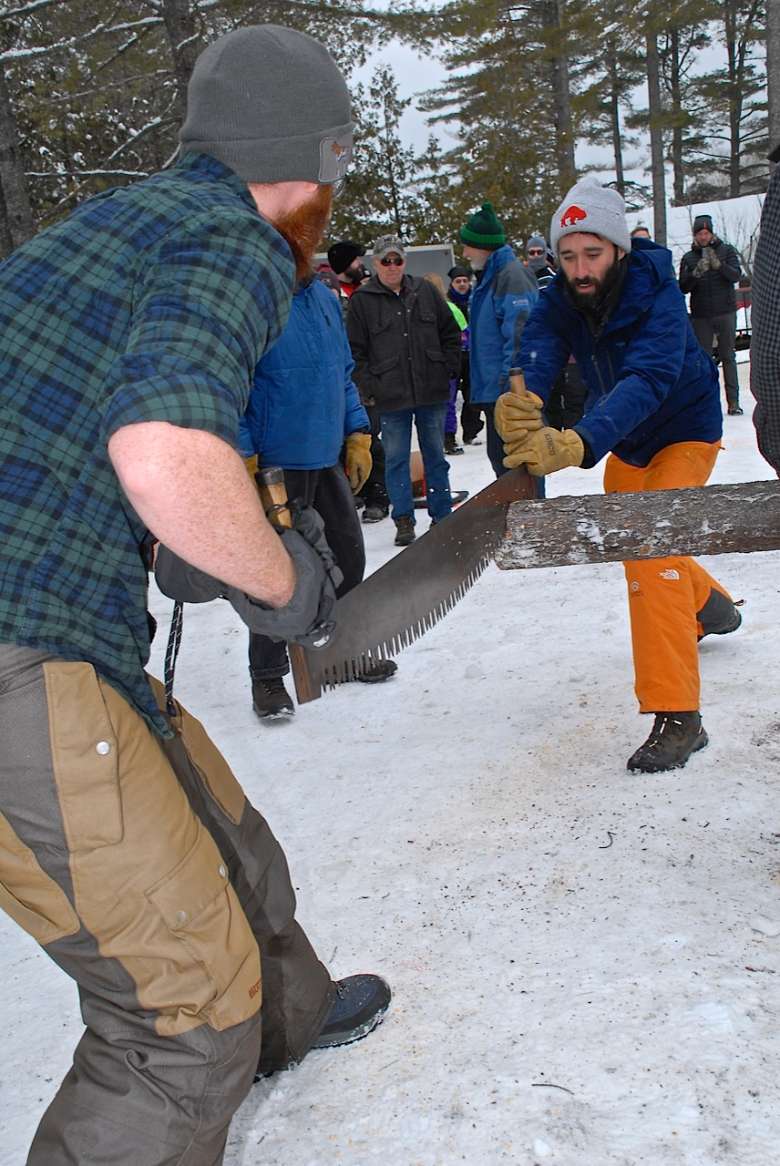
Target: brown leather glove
x=357, y=459
x=545, y=451
x=516, y=416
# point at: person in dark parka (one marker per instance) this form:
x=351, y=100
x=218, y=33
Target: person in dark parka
x=709, y=272
x=406, y=346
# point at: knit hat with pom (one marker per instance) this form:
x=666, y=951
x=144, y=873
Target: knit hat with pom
x=483, y=229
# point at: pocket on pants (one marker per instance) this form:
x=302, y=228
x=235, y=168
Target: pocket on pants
x=85, y=756
x=28, y=894
x=209, y=966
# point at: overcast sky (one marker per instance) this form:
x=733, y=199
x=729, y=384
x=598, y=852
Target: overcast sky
x=416, y=74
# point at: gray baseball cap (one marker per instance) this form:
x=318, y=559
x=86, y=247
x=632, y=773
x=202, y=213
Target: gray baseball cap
x=387, y=243
x=272, y=104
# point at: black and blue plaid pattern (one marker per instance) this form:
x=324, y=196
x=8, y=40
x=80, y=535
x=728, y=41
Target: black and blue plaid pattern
x=150, y=303
x=765, y=325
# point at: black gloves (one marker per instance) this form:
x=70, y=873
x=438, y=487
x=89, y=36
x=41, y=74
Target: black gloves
x=307, y=619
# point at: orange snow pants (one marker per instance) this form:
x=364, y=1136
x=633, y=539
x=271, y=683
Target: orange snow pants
x=664, y=595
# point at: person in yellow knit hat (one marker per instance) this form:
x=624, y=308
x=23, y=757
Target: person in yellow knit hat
x=653, y=406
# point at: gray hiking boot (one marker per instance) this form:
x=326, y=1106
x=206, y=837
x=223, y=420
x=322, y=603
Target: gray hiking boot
x=404, y=531
x=673, y=738
x=359, y=1006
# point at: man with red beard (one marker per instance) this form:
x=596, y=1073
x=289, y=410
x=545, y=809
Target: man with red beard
x=130, y=335
x=653, y=407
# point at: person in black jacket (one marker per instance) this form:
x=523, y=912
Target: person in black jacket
x=406, y=347
x=709, y=272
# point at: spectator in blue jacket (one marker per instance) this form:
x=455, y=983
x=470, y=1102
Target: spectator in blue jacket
x=303, y=407
x=653, y=406
x=506, y=292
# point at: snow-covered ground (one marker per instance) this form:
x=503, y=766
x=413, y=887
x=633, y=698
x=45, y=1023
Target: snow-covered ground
x=585, y=964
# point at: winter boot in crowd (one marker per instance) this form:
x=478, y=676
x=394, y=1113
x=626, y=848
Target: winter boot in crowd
x=374, y=512
x=451, y=444
x=404, y=531
x=719, y=616
x=673, y=738
x=271, y=700
x=358, y=1007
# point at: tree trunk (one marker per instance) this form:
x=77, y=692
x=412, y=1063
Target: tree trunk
x=773, y=70
x=735, y=97
x=185, y=42
x=614, y=117
x=707, y=520
x=675, y=90
x=554, y=13
x=17, y=223
x=391, y=178
x=656, y=134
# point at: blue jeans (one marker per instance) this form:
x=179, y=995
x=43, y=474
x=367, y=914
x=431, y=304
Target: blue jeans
x=397, y=440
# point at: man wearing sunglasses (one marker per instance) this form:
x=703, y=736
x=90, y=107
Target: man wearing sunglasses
x=406, y=346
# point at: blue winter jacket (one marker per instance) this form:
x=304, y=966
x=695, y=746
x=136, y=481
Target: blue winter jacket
x=649, y=382
x=500, y=304
x=303, y=401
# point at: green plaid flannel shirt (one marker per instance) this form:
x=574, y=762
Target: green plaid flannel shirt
x=152, y=302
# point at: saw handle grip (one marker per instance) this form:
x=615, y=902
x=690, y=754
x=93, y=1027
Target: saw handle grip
x=517, y=386
x=273, y=496
x=517, y=382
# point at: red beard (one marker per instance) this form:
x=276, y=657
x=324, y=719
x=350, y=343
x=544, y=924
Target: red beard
x=304, y=228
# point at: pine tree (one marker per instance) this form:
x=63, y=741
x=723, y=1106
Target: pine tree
x=378, y=197
x=509, y=90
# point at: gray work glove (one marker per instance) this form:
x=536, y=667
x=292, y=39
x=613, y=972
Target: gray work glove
x=708, y=262
x=307, y=619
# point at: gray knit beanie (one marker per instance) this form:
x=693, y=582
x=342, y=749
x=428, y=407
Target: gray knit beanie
x=271, y=104
x=593, y=209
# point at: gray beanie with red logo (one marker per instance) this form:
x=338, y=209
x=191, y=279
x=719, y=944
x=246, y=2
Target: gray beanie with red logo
x=272, y=104
x=594, y=210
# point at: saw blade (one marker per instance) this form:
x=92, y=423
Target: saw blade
x=415, y=589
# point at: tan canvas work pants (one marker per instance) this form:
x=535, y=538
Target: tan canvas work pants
x=145, y=874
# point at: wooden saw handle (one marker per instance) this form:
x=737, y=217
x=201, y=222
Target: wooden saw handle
x=273, y=495
x=517, y=382
x=517, y=386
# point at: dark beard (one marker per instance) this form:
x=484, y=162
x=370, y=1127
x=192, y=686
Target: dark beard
x=304, y=228
x=596, y=302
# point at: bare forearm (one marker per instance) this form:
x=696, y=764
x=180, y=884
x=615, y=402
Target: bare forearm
x=193, y=492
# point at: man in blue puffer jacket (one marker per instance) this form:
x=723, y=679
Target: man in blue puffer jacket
x=303, y=406
x=506, y=292
x=653, y=406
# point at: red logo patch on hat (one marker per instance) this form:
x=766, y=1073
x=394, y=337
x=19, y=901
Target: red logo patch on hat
x=337, y=148
x=573, y=215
